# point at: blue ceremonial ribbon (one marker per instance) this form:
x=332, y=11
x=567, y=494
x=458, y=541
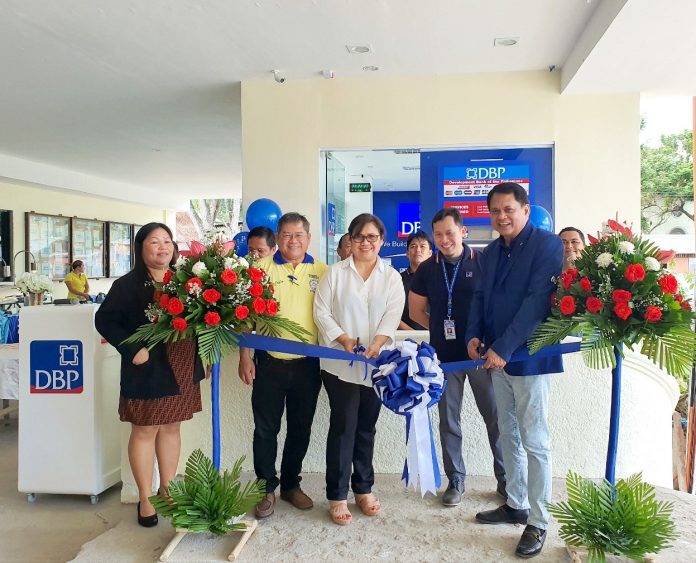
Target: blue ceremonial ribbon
x=281, y=345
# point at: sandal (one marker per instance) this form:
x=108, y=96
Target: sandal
x=369, y=504
x=340, y=514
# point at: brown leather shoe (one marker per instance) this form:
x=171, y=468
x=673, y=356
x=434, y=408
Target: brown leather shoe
x=265, y=506
x=297, y=498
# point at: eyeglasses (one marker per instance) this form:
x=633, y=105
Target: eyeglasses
x=368, y=238
x=290, y=236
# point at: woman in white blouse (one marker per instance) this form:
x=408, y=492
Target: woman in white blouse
x=357, y=306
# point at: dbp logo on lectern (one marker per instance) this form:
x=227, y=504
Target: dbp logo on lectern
x=55, y=366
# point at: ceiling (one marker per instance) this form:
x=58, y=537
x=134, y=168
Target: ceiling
x=135, y=100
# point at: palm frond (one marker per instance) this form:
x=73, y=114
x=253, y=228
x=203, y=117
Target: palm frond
x=551, y=331
x=206, y=500
x=624, y=519
x=597, y=347
x=674, y=351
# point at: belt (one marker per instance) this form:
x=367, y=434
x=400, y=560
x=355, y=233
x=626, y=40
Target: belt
x=284, y=361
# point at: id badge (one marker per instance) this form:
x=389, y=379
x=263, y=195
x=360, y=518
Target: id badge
x=450, y=332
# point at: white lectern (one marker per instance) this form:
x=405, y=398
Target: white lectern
x=69, y=439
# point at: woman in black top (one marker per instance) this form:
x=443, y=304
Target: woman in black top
x=159, y=387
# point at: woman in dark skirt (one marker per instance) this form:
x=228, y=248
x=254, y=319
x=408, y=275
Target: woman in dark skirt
x=159, y=387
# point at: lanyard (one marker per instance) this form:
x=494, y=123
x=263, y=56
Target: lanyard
x=448, y=285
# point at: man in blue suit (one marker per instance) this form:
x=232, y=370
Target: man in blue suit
x=512, y=298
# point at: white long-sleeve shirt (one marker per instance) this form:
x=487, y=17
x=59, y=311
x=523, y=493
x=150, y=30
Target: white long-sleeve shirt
x=345, y=303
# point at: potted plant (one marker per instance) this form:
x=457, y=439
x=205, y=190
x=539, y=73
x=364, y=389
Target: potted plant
x=33, y=286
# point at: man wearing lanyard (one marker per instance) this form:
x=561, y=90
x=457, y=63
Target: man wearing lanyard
x=440, y=297
x=285, y=382
x=512, y=298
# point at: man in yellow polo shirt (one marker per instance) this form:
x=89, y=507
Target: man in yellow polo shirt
x=285, y=381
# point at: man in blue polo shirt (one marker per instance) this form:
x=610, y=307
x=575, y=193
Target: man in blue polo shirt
x=440, y=297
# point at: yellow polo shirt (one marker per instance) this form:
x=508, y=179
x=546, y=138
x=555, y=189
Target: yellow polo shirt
x=294, y=289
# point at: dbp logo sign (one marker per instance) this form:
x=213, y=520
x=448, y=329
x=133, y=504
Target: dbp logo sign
x=409, y=218
x=487, y=173
x=56, y=366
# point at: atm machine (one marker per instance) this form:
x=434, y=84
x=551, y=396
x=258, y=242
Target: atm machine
x=69, y=437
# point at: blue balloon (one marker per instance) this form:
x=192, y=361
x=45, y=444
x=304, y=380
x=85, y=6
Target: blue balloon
x=263, y=212
x=240, y=243
x=541, y=218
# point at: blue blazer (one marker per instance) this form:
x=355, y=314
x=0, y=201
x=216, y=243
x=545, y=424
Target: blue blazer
x=509, y=305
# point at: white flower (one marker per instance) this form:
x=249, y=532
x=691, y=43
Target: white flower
x=180, y=261
x=243, y=262
x=198, y=268
x=652, y=264
x=604, y=260
x=230, y=263
x=34, y=283
x=626, y=247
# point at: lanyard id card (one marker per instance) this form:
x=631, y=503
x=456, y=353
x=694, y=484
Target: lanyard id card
x=450, y=332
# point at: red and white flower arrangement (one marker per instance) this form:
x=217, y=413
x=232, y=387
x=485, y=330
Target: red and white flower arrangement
x=213, y=295
x=617, y=292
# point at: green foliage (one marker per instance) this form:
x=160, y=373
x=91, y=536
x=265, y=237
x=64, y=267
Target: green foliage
x=622, y=520
x=206, y=500
x=666, y=177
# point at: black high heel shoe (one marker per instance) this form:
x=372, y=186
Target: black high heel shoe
x=147, y=521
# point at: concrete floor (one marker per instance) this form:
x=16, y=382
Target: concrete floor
x=58, y=528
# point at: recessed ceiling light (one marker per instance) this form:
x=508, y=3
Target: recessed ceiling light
x=371, y=68
x=359, y=49
x=505, y=41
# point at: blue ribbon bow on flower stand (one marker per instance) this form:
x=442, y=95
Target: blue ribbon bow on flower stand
x=409, y=381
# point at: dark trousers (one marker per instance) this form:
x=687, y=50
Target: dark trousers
x=450, y=408
x=293, y=386
x=351, y=440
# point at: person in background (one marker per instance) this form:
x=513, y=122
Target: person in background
x=160, y=386
x=419, y=248
x=344, y=246
x=76, y=280
x=511, y=299
x=573, y=243
x=261, y=242
x=285, y=382
x=440, y=298
x=357, y=308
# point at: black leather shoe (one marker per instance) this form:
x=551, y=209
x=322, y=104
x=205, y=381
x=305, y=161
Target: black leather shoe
x=453, y=495
x=531, y=542
x=147, y=521
x=500, y=489
x=503, y=515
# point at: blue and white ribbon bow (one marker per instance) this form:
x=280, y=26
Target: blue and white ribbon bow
x=409, y=381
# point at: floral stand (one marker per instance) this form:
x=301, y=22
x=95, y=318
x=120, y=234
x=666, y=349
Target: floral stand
x=180, y=533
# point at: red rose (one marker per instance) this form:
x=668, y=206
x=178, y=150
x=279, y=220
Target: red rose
x=259, y=306
x=653, y=314
x=634, y=273
x=156, y=296
x=679, y=297
x=567, y=305
x=167, y=276
x=255, y=274
x=622, y=310
x=211, y=318
x=272, y=307
x=686, y=305
x=256, y=290
x=271, y=288
x=594, y=305
x=566, y=280
x=164, y=300
x=621, y=296
x=668, y=283
x=585, y=284
x=179, y=324
x=192, y=283
x=241, y=312
x=175, y=306
x=211, y=296
x=572, y=273
x=228, y=277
